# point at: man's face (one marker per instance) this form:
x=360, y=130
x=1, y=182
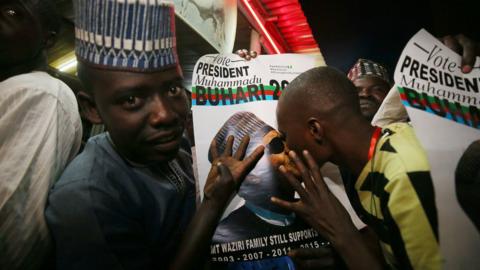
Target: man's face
x=294, y=132
x=144, y=113
x=297, y=134
x=20, y=34
x=371, y=91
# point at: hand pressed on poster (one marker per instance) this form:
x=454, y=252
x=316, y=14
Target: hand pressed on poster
x=247, y=55
x=464, y=46
x=317, y=205
x=218, y=188
x=322, y=210
x=226, y=174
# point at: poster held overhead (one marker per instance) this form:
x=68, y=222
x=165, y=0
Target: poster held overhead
x=443, y=105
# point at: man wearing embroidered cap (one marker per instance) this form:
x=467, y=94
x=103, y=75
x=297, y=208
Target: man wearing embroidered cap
x=372, y=82
x=125, y=202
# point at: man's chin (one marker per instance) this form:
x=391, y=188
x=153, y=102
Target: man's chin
x=369, y=112
x=164, y=156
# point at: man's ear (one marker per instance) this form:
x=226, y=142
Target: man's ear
x=316, y=130
x=88, y=108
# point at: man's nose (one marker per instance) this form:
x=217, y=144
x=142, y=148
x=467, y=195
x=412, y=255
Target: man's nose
x=364, y=92
x=161, y=112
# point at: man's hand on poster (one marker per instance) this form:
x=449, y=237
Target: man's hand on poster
x=246, y=54
x=312, y=258
x=322, y=210
x=227, y=173
x=464, y=46
x=317, y=205
x=229, y=169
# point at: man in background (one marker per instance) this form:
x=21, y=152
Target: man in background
x=372, y=82
x=40, y=130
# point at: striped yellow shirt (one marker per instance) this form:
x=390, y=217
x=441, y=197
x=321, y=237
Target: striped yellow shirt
x=395, y=197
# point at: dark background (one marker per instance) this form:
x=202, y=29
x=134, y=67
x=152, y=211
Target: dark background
x=378, y=30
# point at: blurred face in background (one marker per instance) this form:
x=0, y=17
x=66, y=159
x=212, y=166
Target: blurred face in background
x=371, y=92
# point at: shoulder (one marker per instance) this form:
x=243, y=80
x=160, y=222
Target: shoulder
x=39, y=89
x=401, y=151
x=40, y=83
x=91, y=167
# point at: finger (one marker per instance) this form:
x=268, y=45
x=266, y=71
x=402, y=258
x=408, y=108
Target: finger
x=248, y=57
x=289, y=206
x=245, y=51
x=242, y=148
x=293, y=182
x=452, y=43
x=315, y=171
x=228, y=146
x=306, y=176
x=240, y=53
x=310, y=253
x=213, y=149
x=253, y=54
x=468, y=56
x=249, y=162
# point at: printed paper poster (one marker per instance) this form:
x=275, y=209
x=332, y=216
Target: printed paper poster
x=232, y=96
x=443, y=105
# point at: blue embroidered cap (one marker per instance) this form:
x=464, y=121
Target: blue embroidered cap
x=131, y=35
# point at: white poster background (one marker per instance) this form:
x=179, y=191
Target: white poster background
x=445, y=141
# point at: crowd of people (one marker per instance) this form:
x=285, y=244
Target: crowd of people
x=128, y=200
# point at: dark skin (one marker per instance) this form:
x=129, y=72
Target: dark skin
x=464, y=46
x=24, y=40
x=371, y=92
x=144, y=113
x=225, y=177
x=327, y=140
x=365, y=242
x=136, y=107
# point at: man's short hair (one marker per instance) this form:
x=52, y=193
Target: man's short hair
x=325, y=89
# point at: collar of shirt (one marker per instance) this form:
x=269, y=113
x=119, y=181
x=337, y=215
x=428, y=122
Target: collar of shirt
x=271, y=217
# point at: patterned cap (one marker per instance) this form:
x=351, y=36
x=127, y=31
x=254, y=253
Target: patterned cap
x=365, y=67
x=130, y=35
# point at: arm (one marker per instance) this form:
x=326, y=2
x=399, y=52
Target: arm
x=223, y=181
x=322, y=210
x=37, y=139
x=92, y=230
x=411, y=208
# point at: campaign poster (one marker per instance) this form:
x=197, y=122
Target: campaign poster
x=443, y=107
x=232, y=96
